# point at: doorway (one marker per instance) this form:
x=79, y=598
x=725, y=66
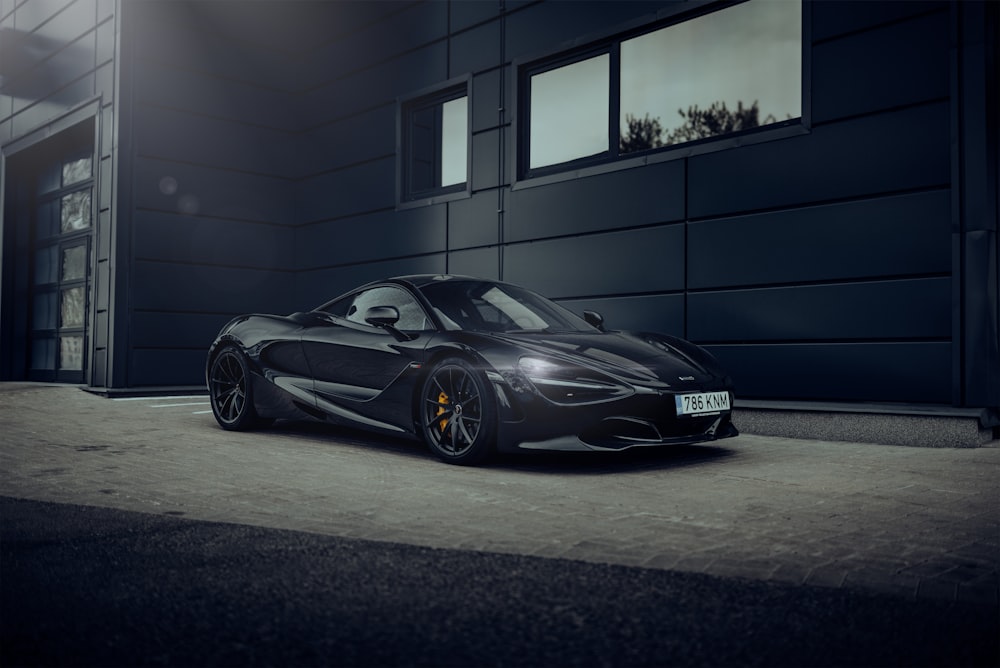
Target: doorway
x=48, y=257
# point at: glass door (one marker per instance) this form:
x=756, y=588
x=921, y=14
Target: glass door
x=61, y=272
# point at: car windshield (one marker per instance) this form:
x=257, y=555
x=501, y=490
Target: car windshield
x=494, y=307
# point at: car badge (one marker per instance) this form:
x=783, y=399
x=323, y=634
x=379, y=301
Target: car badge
x=685, y=377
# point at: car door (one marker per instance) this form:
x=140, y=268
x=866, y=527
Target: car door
x=358, y=368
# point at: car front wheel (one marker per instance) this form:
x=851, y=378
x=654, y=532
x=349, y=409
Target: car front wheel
x=458, y=413
x=230, y=391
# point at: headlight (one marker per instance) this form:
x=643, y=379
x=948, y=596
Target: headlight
x=568, y=384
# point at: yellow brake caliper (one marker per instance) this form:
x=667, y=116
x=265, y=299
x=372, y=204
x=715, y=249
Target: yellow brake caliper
x=442, y=399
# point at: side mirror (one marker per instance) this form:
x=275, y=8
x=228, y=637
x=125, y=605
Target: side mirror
x=594, y=319
x=382, y=316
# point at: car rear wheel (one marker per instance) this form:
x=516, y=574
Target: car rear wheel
x=230, y=391
x=458, y=413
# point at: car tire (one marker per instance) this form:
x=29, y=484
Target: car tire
x=230, y=390
x=457, y=413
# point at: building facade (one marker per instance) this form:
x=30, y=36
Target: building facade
x=809, y=190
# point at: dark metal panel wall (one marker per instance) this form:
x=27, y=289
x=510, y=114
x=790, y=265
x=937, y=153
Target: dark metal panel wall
x=624, y=262
x=211, y=212
x=886, y=236
x=869, y=155
x=860, y=75
x=893, y=372
x=348, y=231
x=870, y=310
x=629, y=198
x=370, y=237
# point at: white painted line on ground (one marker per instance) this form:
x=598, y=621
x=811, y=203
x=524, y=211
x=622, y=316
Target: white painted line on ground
x=190, y=403
x=200, y=412
x=188, y=396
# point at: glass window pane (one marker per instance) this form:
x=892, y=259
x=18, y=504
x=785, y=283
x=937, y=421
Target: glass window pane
x=422, y=160
x=74, y=263
x=48, y=180
x=43, y=354
x=72, y=307
x=437, y=145
x=75, y=171
x=731, y=70
x=46, y=265
x=454, y=141
x=569, y=112
x=411, y=315
x=75, y=211
x=47, y=224
x=44, y=311
x=71, y=353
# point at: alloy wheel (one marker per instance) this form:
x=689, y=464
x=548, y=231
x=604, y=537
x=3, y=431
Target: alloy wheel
x=228, y=387
x=453, y=410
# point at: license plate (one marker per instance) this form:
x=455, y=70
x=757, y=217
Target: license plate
x=704, y=403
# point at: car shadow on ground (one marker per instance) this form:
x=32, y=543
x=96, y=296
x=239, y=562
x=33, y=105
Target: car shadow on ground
x=588, y=463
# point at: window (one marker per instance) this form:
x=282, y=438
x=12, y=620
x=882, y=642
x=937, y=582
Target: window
x=434, y=138
x=355, y=307
x=569, y=112
x=734, y=70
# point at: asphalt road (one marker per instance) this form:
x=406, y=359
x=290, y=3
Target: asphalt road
x=104, y=587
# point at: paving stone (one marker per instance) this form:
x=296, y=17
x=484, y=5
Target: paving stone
x=908, y=521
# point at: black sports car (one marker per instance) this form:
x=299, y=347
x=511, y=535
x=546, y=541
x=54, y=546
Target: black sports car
x=470, y=366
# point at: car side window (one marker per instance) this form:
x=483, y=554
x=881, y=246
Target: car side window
x=354, y=308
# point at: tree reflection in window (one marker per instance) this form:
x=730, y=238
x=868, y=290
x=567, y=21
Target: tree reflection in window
x=74, y=171
x=72, y=307
x=729, y=71
x=75, y=211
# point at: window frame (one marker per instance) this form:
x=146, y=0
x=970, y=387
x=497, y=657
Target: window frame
x=439, y=94
x=528, y=66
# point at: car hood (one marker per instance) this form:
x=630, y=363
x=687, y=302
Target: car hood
x=632, y=357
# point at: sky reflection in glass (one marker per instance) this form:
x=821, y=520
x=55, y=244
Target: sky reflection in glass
x=454, y=141
x=747, y=53
x=569, y=112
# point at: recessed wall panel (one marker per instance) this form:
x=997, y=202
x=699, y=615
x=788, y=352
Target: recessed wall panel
x=653, y=194
x=646, y=260
x=833, y=18
x=882, y=372
x=176, y=330
x=645, y=313
x=359, y=189
x=376, y=236
x=870, y=155
x=474, y=221
x=161, y=367
x=171, y=237
x=478, y=262
x=196, y=190
x=338, y=144
x=183, y=137
x=904, y=309
x=477, y=49
x=183, y=288
x=890, y=236
x=895, y=65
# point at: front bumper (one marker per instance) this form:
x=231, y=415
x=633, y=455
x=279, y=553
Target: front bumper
x=639, y=420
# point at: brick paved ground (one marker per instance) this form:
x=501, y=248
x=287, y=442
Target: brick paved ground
x=919, y=522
